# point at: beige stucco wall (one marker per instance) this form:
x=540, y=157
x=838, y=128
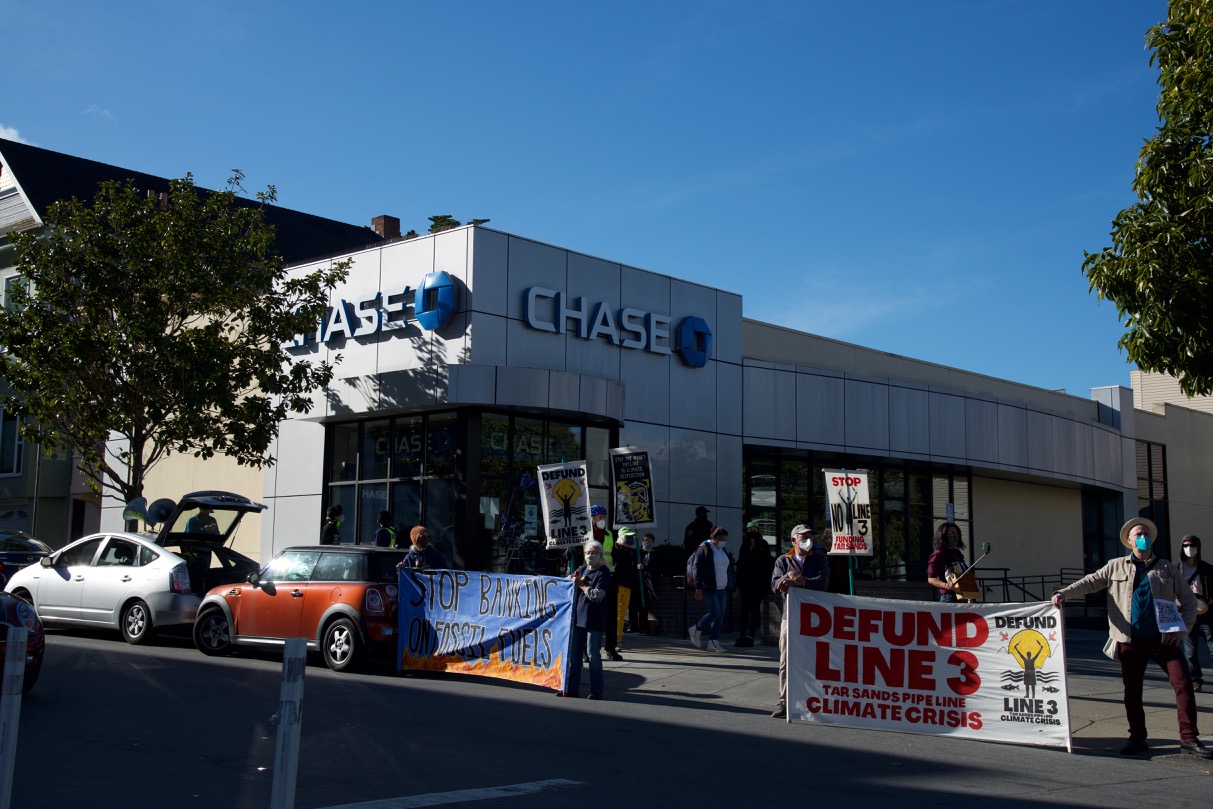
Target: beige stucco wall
x=181, y=474
x=1034, y=530
x=1188, y=435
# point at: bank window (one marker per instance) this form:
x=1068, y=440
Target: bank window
x=11, y=445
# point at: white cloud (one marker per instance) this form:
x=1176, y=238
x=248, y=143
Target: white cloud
x=95, y=111
x=10, y=133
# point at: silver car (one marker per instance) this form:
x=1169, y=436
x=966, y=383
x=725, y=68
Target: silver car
x=137, y=582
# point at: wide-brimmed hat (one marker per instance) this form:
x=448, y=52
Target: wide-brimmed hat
x=1151, y=529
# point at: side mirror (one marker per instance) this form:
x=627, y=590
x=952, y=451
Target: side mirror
x=46, y=561
x=254, y=579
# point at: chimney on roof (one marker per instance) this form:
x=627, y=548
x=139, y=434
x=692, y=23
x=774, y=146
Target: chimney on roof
x=386, y=226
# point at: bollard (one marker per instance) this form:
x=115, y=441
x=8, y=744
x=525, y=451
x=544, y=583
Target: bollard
x=10, y=708
x=289, y=717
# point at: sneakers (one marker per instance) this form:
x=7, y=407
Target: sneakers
x=694, y=632
x=715, y=646
x=780, y=712
x=614, y=655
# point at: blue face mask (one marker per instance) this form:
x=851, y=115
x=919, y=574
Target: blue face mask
x=1142, y=542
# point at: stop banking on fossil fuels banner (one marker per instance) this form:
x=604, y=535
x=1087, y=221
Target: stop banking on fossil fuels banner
x=490, y=624
x=991, y=672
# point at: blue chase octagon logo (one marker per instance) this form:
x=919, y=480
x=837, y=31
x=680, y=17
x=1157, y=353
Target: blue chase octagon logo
x=694, y=337
x=435, y=301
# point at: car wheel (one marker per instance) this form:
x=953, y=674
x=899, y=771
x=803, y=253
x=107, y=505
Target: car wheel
x=137, y=623
x=213, y=633
x=24, y=596
x=340, y=645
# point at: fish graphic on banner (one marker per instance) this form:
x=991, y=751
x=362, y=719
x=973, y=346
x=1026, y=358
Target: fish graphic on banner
x=565, y=498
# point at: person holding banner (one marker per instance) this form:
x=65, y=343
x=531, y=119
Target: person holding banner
x=1140, y=587
x=947, y=562
x=803, y=566
x=714, y=570
x=422, y=555
x=591, y=615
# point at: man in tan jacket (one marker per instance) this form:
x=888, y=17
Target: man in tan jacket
x=1133, y=583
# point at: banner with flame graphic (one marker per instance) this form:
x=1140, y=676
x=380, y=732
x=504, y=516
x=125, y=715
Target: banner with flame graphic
x=489, y=624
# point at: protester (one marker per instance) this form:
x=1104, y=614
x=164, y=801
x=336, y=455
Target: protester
x=698, y=531
x=754, y=563
x=627, y=576
x=714, y=570
x=591, y=615
x=947, y=563
x=1133, y=583
x=1199, y=575
x=803, y=566
x=598, y=516
x=385, y=534
x=647, y=543
x=329, y=530
x=422, y=555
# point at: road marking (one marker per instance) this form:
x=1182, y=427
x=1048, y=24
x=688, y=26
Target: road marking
x=463, y=795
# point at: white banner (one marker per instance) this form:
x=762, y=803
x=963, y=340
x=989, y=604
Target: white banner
x=850, y=512
x=565, y=497
x=991, y=672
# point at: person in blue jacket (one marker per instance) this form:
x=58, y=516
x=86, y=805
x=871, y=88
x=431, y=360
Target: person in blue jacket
x=592, y=611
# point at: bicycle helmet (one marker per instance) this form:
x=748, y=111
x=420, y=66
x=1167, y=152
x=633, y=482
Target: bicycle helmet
x=596, y=511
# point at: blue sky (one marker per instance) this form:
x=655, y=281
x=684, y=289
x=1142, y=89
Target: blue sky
x=917, y=177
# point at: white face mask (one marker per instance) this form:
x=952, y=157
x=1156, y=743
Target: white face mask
x=806, y=544
x=648, y=546
x=593, y=559
x=600, y=524
x=720, y=543
x=1190, y=552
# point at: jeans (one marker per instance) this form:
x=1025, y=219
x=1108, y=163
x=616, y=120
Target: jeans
x=714, y=620
x=581, y=638
x=948, y=598
x=1203, y=628
x=1134, y=657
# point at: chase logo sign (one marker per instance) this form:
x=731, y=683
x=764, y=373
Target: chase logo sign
x=433, y=305
x=629, y=327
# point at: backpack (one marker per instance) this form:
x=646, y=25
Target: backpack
x=691, y=567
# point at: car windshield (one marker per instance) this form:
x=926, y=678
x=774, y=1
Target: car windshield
x=17, y=542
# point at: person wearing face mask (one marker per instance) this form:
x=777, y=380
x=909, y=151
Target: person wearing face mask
x=598, y=529
x=591, y=615
x=330, y=533
x=643, y=561
x=1199, y=575
x=422, y=555
x=627, y=577
x=947, y=562
x=803, y=566
x=1133, y=583
x=714, y=568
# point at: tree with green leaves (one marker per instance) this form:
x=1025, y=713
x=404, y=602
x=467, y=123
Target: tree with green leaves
x=156, y=323
x=1159, y=270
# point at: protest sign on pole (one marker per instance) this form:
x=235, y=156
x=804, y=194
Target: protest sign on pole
x=992, y=672
x=850, y=512
x=490, y=624
x=632, y=483
x=564, y=495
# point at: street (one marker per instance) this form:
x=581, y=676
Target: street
x=113, y=725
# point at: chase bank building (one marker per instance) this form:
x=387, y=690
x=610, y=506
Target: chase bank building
x=471, y=356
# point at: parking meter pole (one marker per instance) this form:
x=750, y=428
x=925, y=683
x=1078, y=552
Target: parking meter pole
x=290, y=716
x=10, y=709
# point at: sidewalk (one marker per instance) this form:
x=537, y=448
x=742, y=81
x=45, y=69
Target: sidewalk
x=746, y=679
